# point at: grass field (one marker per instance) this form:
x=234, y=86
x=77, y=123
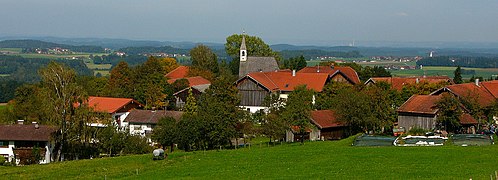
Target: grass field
x=314, y=160
x=441, y=70
x=11, y=50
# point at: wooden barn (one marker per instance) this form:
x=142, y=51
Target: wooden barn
x=325, y=127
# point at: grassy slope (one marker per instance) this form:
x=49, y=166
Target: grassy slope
x=313, y=160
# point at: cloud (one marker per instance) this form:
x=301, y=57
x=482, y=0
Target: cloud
x=402, y=14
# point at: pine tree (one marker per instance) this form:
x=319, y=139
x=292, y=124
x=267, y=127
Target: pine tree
x=191, y=104
x=458, y=76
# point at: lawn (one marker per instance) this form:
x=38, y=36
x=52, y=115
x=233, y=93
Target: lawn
x=314, y=160
x=448, y=71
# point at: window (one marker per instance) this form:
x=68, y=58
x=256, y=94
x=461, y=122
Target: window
x=4, y=144
x=243, y=53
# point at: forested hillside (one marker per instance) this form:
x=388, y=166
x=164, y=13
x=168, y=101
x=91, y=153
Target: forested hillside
x=33, y=44
x=474, y=62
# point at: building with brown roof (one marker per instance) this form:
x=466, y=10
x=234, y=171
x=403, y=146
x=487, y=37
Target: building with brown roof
x=15, y=139
x=337, y=74
x=421, y=111
x=142, y=122
x=326, y=127
x=178, y=73
x=254, y=87
x=484, y=93
x=398, y=83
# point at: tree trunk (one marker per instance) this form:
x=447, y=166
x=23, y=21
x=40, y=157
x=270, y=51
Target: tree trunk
x=172, y=146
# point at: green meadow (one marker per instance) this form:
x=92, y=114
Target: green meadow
x=313, y=160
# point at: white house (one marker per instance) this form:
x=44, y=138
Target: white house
x=142, y=122
x=19, y=138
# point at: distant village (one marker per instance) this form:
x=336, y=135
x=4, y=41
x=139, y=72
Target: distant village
x=259, y=79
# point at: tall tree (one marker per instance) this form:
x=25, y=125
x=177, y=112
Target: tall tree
x=298, y=109
x=165, y=132
x=272, y=123
x=458, y=75
x=295, y=63
x=449, y=112
x=204, y=59
x=63, y=93
x=150, y=86
x=169, y=64
x=191, y=104
x=219, y=112
x=120, y=81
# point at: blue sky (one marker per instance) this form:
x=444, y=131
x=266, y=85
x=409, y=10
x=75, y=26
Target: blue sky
x=276, y=21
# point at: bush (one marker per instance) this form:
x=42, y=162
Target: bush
x=416, y=131
x=2, y=160
x=136, y=144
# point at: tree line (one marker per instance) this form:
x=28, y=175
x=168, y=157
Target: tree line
x=471, y=62
x=31, y=45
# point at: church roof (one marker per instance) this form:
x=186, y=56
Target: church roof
x=243, y=44
x=257, y=64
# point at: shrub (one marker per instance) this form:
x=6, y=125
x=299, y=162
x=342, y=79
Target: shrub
x=2, y=160
x=416, y=131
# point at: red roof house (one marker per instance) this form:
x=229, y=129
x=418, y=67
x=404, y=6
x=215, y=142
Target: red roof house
x=340, y=74
x=326, y=121
x=484, y=93
x=179, y=72
x=398, y=83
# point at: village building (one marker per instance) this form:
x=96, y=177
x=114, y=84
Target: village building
x=142, y=122
x=198, y=84
x=256, y=86
x=249, y=64
x=118, y=108
x=421, y=111
x=325, y=127
x=19, y=140
x=343, y=74
x=397, y=83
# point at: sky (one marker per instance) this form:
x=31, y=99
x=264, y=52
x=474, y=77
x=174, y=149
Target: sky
x=302, y=22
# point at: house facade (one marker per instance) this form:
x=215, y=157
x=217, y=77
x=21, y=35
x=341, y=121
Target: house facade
x=118, y=108
x=143, y=122
x=19, y=139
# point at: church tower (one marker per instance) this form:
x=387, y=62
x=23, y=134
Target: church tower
x=243, y=49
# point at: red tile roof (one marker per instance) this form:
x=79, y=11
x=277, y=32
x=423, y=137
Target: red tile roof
x=347, y=71
x=284, y=81
x=29, y=132
x=485, y=92
x=398, y=82
x=150, y=117
x=424, y=104
x=109, y=104
x=193, y=81
x=179, y=72
x=466, y=118
x=325, y=119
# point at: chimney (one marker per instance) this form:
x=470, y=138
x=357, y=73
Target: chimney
x=20, y=121
x=293, y=73
x=36, y=125
x=477, y=81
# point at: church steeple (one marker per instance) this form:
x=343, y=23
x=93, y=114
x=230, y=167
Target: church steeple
x=243, y=49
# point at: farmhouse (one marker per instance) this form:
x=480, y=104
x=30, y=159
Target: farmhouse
x=337, y=74
x=398, y=83
x=483, y=93
x=249, y=64
x=325, y=127
x=254, y=87
x=118, y=108
x=18, y=141
x=421, y=111
x=142, y=122
x=198, y=84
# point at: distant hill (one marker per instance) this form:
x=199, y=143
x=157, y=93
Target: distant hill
x=151, y=49
x=33, y=44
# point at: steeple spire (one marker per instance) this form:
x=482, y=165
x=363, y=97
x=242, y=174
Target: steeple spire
x=243, y=48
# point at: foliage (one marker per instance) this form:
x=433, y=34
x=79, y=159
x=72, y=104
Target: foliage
x=416, y=131
x=364, y=72
x=219, y=113
x=449, y=112
x=191, y=104
x=272, y=124
x=150, y=49
x=169, y=64
x=150, y=86
x=120, y=81
x=165, y=132
x=458, y=76
x=136, y=144
x=204, y=59
x=8, y=89
x=325, y=99
x=94, y=86
x=115, y=59
x=295, y=63
x=298, y=108
x=190, y=132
